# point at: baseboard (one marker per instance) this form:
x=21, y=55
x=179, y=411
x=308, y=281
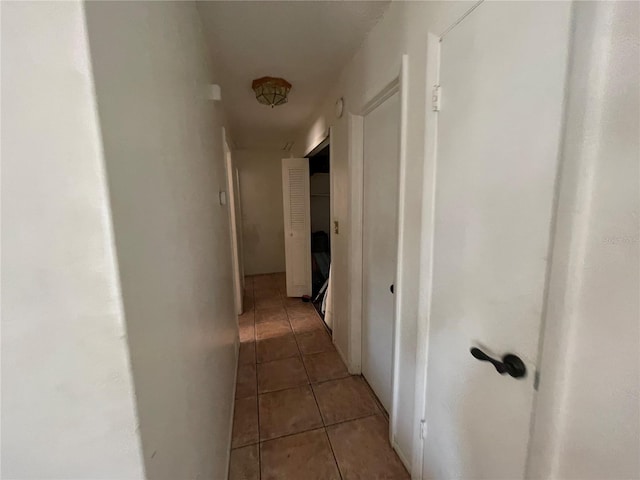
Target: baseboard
x=402, y=456
x=233, y=403
x=247, y=274
x=342, y=356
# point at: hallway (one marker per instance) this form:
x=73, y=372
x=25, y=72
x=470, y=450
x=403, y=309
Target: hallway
x=298, y=412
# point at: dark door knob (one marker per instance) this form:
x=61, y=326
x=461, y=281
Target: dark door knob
x=391, y=288
x=511, y=364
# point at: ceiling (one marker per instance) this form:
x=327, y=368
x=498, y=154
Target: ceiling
x=305, y=42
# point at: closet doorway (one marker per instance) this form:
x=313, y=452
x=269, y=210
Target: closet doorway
x=320, y=210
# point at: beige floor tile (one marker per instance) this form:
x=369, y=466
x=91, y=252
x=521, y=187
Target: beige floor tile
x=325, y=366
x=280, y=279
x=245, y=422
x=281, y=374
x=276, y=348
x=300, y=310
x=262, y=281
x=307, y=323
x=247, y=382
x=267, y=291
x=244, y=463
x=272, y=329
x=248, y=303
x=271, y=314
x=315, y=341
x=305, y=456
x=291, y=301
x=344, y=399
x=287, y=412
x=247, y=333
x=247, y=318
x=269, y=302
x=247, y=354
x=363, y=452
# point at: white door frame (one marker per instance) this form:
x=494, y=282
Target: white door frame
x=426, y=254
x=232, y=197
x=238, y=210
x=327, y=138
x=398, y=84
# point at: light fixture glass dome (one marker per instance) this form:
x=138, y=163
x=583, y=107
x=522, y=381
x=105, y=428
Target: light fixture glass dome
x=271, y=91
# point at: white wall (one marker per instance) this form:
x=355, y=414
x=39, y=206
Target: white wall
x=165, y=163
x=262, y=215
x=67, y=397
x=403, y=29
x=588, y=420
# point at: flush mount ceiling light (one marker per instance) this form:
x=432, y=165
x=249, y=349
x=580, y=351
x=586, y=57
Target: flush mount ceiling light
x=271, y=91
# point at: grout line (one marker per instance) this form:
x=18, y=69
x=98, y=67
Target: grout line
x=334, y=379
x=246, y=396
x=255, y=342
x=285, y=389
x=299, y=351
x=315, y=399
x=251, y=444
x=301, y=356
x=259, y=447
x=303, y=384
x=255, y=363
x=335, y=460
x=274, y=360
x=385, y=414
x=306, y=372
x=353, y=419
x=309, y=384
x=312, y=429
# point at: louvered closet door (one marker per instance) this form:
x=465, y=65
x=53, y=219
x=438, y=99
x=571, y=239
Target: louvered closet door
x=297, y=225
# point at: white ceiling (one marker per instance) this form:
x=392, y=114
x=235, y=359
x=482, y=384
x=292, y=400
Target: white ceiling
x=305, y=42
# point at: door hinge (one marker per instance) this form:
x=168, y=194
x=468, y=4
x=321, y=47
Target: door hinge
x=536, y=380
x=423, y=429
x=436, y=94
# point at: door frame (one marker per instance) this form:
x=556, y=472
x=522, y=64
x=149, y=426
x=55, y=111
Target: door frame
x=398, y=84
x=232, y=198
x=426, y=254
x=322, y=142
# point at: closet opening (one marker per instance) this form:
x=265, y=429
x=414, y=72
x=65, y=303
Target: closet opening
x=320, y=209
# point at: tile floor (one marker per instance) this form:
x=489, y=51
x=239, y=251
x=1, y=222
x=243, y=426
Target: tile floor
x=298, y=413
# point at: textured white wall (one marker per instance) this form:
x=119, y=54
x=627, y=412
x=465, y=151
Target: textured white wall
x=164, y=158
x=262, y=215
x=403, y=29
x=588, y=420
x=67, y=398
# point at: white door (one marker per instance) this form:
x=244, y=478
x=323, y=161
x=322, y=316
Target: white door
x=502, y=77
x=379, y=230
x=233, y=224
x=297, y=225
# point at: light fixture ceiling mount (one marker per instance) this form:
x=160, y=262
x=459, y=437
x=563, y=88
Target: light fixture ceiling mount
x=271, y=91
